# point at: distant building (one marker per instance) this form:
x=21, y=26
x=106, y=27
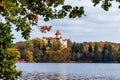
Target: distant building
x=58, y=37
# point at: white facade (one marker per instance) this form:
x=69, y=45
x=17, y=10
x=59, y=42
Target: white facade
x=58, y=37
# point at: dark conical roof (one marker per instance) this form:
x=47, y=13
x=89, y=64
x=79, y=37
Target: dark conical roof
x=58, y=32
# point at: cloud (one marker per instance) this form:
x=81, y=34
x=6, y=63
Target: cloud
x=98, y=25
x=113, y=18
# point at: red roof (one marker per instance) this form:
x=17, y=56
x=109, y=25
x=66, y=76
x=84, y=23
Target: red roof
x=58, y=32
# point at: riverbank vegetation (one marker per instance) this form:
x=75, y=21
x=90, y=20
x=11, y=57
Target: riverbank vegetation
x=21, y=15
x=36, y=50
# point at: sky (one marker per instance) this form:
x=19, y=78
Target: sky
x=98, y=25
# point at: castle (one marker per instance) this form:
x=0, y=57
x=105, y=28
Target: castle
x=58, y=37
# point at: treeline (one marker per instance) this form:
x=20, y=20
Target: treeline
x=37, y=50
x=97, y=52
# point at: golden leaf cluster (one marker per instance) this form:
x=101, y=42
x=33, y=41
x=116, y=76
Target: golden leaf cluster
x=43, y=29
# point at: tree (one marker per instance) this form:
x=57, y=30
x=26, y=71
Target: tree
x=49, y=43
x=107, y=53
x=25, y=13
x=8, y=59
x=103, y=54
x=110, y=53
x=90, y=53
x=65, y=53
x=44, y=49
x=29, y=55
x=97, y=57
x=90, y=50
x=118, y=55
x=69, y=43
x=29, y=45
x=15, y=51
x=81, y=48
x=96, y=51
x=73, y=47
x=56, y=45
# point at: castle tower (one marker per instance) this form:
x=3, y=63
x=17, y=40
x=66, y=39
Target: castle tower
x=58, y=34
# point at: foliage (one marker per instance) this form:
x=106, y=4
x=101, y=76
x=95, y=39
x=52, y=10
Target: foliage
x=7, y=57
x=118, y=55
x=48, y=52
x=29, y=56
x=44, y=29
x=54, y=52
x=15, y=51
x=96, y=52
x=105, y=4
x=25, y=13
x=97, y=57
x=90, y=49
x=7, y=64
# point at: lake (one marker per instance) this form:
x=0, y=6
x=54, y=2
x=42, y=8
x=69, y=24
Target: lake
x=85, y=69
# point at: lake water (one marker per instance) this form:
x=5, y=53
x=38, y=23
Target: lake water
x=89, y=69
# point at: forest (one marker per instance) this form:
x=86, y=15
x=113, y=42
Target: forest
x=36, y=50
x=23, y=14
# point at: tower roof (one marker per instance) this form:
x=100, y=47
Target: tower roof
x=58, y=32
